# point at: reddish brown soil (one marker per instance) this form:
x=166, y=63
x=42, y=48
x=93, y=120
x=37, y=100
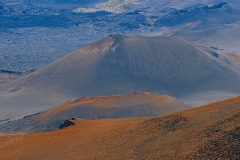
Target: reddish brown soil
x=158, y=104
x=8, y=139
x=207, y=132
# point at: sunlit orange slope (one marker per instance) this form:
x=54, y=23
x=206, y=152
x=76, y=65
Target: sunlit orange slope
x=116, y=106
x=211, y=131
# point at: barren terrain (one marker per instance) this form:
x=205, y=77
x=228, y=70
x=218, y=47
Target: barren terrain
x=124, y=95
x=64, y=26
x=122, y=64
x=210, y=131
x=5, y=77
x=117, y=106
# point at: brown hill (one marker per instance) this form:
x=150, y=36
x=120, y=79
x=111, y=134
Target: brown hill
x=207, y=132
x=118, y=106
x=121, y=64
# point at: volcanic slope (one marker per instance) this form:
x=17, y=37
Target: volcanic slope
x=120, y=64
x=207, y=132
x=119, y=106
x=229, y=58
x=204, y=14
x=212, y=25
x=225, y=37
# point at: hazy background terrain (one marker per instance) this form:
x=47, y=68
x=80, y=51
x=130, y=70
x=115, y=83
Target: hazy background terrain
x=35, y=33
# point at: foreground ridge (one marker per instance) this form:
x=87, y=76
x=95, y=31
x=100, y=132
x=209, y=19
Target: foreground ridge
x=209, y=132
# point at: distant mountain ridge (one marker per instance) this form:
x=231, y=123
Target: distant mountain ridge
x=205, y=25
x=204, y=14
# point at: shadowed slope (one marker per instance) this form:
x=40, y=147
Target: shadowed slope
x=119, y=64
x=119, y=106
x=207, y=132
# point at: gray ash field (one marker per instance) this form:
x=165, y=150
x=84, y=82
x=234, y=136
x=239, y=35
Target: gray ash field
x=35, y=33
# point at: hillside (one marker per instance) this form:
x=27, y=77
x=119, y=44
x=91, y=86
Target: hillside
x=122, y=64
x=5, y=77
x=118, y=106
x=224, y=37
x=204, y=14
x=209, y=132
x=211, y=24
